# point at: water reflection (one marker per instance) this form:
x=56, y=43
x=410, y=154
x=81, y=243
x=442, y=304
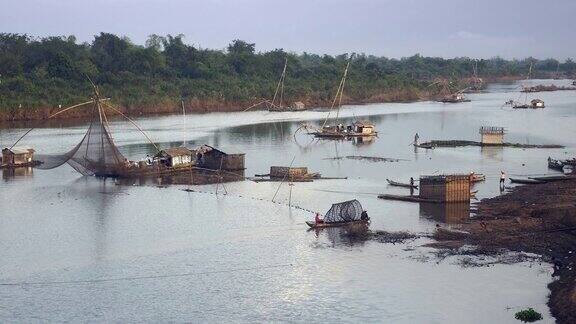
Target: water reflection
x=363, y=140
x=193, y=177
x=492, y=153
x=351, y=235
x=11, y=173
x=453, y=213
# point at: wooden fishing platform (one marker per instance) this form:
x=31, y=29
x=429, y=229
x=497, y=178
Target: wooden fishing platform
x=291, y=174
x=263, y=178
x=462, y=143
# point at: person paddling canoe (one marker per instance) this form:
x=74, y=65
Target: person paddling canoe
x=318, y=220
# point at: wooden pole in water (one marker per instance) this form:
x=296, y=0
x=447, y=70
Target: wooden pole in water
x=183, y=110
x=290, y=195
x=342, y=92
x=285, y=175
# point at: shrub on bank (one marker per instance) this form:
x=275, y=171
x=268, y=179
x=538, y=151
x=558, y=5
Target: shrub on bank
x=528, y=315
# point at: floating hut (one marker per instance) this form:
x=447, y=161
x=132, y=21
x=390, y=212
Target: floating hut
x=491, y=135
x=176, y=156
x=17, y=157
x=537, y=103
x=445, y=188
x=364, y=128
x=211, y=158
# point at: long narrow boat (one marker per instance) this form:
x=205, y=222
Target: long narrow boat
x=336, y=224
x=525, y=181
x=400, y=184
x=550, y=178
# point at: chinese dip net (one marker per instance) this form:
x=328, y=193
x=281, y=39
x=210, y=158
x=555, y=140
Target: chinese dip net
x=344, y=212
x=96, y=153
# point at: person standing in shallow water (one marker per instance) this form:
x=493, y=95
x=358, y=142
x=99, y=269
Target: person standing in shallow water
x=416, y=139
x=502, y=179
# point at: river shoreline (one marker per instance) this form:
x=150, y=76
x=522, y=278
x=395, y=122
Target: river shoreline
x=196, y=106
x=168, y=106
x=539, y=219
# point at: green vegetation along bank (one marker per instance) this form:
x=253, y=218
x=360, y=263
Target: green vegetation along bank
x=37, y=75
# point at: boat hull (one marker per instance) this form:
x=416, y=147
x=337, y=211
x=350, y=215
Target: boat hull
x=338, y=224
x=342, y=135
x=525, y=181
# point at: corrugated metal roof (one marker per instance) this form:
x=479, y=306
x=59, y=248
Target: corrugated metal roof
x=177, y=151
x=364, y=123
x=20, y=150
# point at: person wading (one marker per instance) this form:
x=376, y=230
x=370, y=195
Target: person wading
x=502, y=179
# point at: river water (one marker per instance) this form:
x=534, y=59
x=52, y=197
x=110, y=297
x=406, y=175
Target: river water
x=80, y=249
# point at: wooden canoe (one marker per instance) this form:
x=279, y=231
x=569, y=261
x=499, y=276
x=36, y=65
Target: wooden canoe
x=525, y=181
x=337, y=224
x=400, y=184
x=550, y=178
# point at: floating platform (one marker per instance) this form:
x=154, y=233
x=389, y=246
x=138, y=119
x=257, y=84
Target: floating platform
x=461, y=143
x=290, y=174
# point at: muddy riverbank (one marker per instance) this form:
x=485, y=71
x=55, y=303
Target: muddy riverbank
x=538, y=219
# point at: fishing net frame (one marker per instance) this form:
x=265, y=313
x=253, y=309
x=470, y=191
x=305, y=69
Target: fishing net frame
x=346, y=211
x=96, y=154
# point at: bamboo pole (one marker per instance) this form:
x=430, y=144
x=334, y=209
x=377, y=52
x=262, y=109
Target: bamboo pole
x=280, y=81
x=342, y=91
x=54, y=115
x=258, y=104
x=285, y=175
x=135, y=125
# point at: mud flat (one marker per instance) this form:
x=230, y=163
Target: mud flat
x=539, y=219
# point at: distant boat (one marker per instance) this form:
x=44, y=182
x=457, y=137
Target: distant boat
x=400, y=184
x=450, y=97
x=534, y=103
x=338, y=130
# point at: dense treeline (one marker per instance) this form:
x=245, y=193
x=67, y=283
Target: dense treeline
x=50, y=71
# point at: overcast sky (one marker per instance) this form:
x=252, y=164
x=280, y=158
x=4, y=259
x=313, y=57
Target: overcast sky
x=394, y=28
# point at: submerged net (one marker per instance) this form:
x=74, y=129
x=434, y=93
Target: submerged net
x=344, y=212
x=96, y=154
